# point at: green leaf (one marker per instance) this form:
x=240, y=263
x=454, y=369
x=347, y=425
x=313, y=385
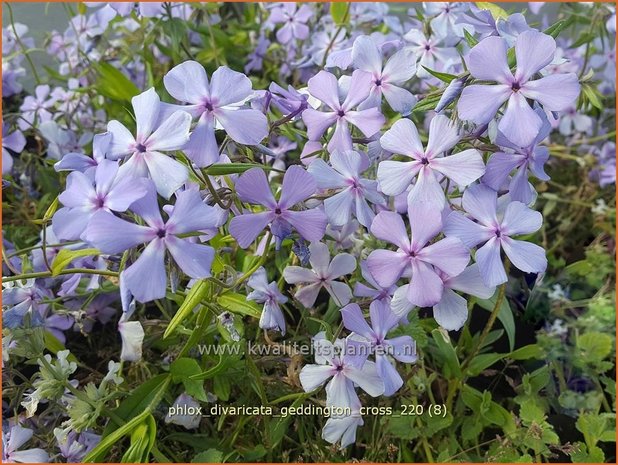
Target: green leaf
x=584, y=38
x=208, y=456
x=505, y=315
x=472, y=41
x=555, y=29
x=531, y=351
x=482, y=361
x=182, y=369
x=144, y=398
x=113, y=84
x=339, y=12
x=452, y=368
x=66, y=256
x=496, y=11
x=594, y=347
x=222, y=169
x=238, y=303
x=195, y=296
x=98, y=453
x=444, y=77
x=143, y=439
x=593, y=96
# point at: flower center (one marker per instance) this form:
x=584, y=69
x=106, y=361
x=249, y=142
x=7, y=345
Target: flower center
x=161, y=233
x=378, y=82
x=277, y=211
x=141, y=148
x=515, y=86
x=341, y=113
x=339, y=368
x=424, y=161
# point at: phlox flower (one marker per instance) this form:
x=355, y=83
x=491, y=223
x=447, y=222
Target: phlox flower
x=271, y=297
x=218, y=102
x=142, y=153
x=444, y=18
x=385, y=79
x=324, y=274
x=13, y=141
x=15, y=438
x=452, y=311
x=373, y=339
x=298, y=185
x=428, y=164
x=342, y=428
x=414, y=255
x=525, y=160
x=74, y=447
x=76, y=161
x=325, y=88
x=294, y=19
x=112, y=235
x=85, y=195
x=36, y=108
x=61, y=141
x=487, y=61
x=430, y=52
x=343, y=237
x=344, y=371
x=494, y=229
x=376, y=292
x=188, y=421
x=344, y=173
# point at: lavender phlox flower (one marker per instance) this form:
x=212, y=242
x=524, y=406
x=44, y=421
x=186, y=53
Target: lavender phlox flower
x=36, y=108
x=324, y=273
x=13, y=141
x=373, y=339
x=385, y=79
x=428, y=164
x=452, y=311
x=294, y=18
x=414, y=254
x=77, y=161
x=100, y=190
x=268, y=294
x=112, y=235
x=431, y=53
x=13, y=439
x=487, y=61
x=298, y=185
x=493, y=228
x=526, y=160
x=143, y=153
x=217, y=103
x=344, y=174
x=376, y=291
x=324, y=86
x=344, y=371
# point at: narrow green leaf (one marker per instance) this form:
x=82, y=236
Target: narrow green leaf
x=339, y=12
x=113, y=84
x=222, y=169
x=444, y=77
x=66, y=256
x=238, y=303
x=472, y=41
x=452, y=369
x=195, y=296
x=483, y=361
x=555, y=29
x=505, y=315
x=531, y=351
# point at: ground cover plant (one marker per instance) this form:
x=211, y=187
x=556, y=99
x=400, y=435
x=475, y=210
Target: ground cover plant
x=310, y=233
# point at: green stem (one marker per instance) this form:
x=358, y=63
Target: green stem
x=488, y=326
x=21, y=45
x=48, y=274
